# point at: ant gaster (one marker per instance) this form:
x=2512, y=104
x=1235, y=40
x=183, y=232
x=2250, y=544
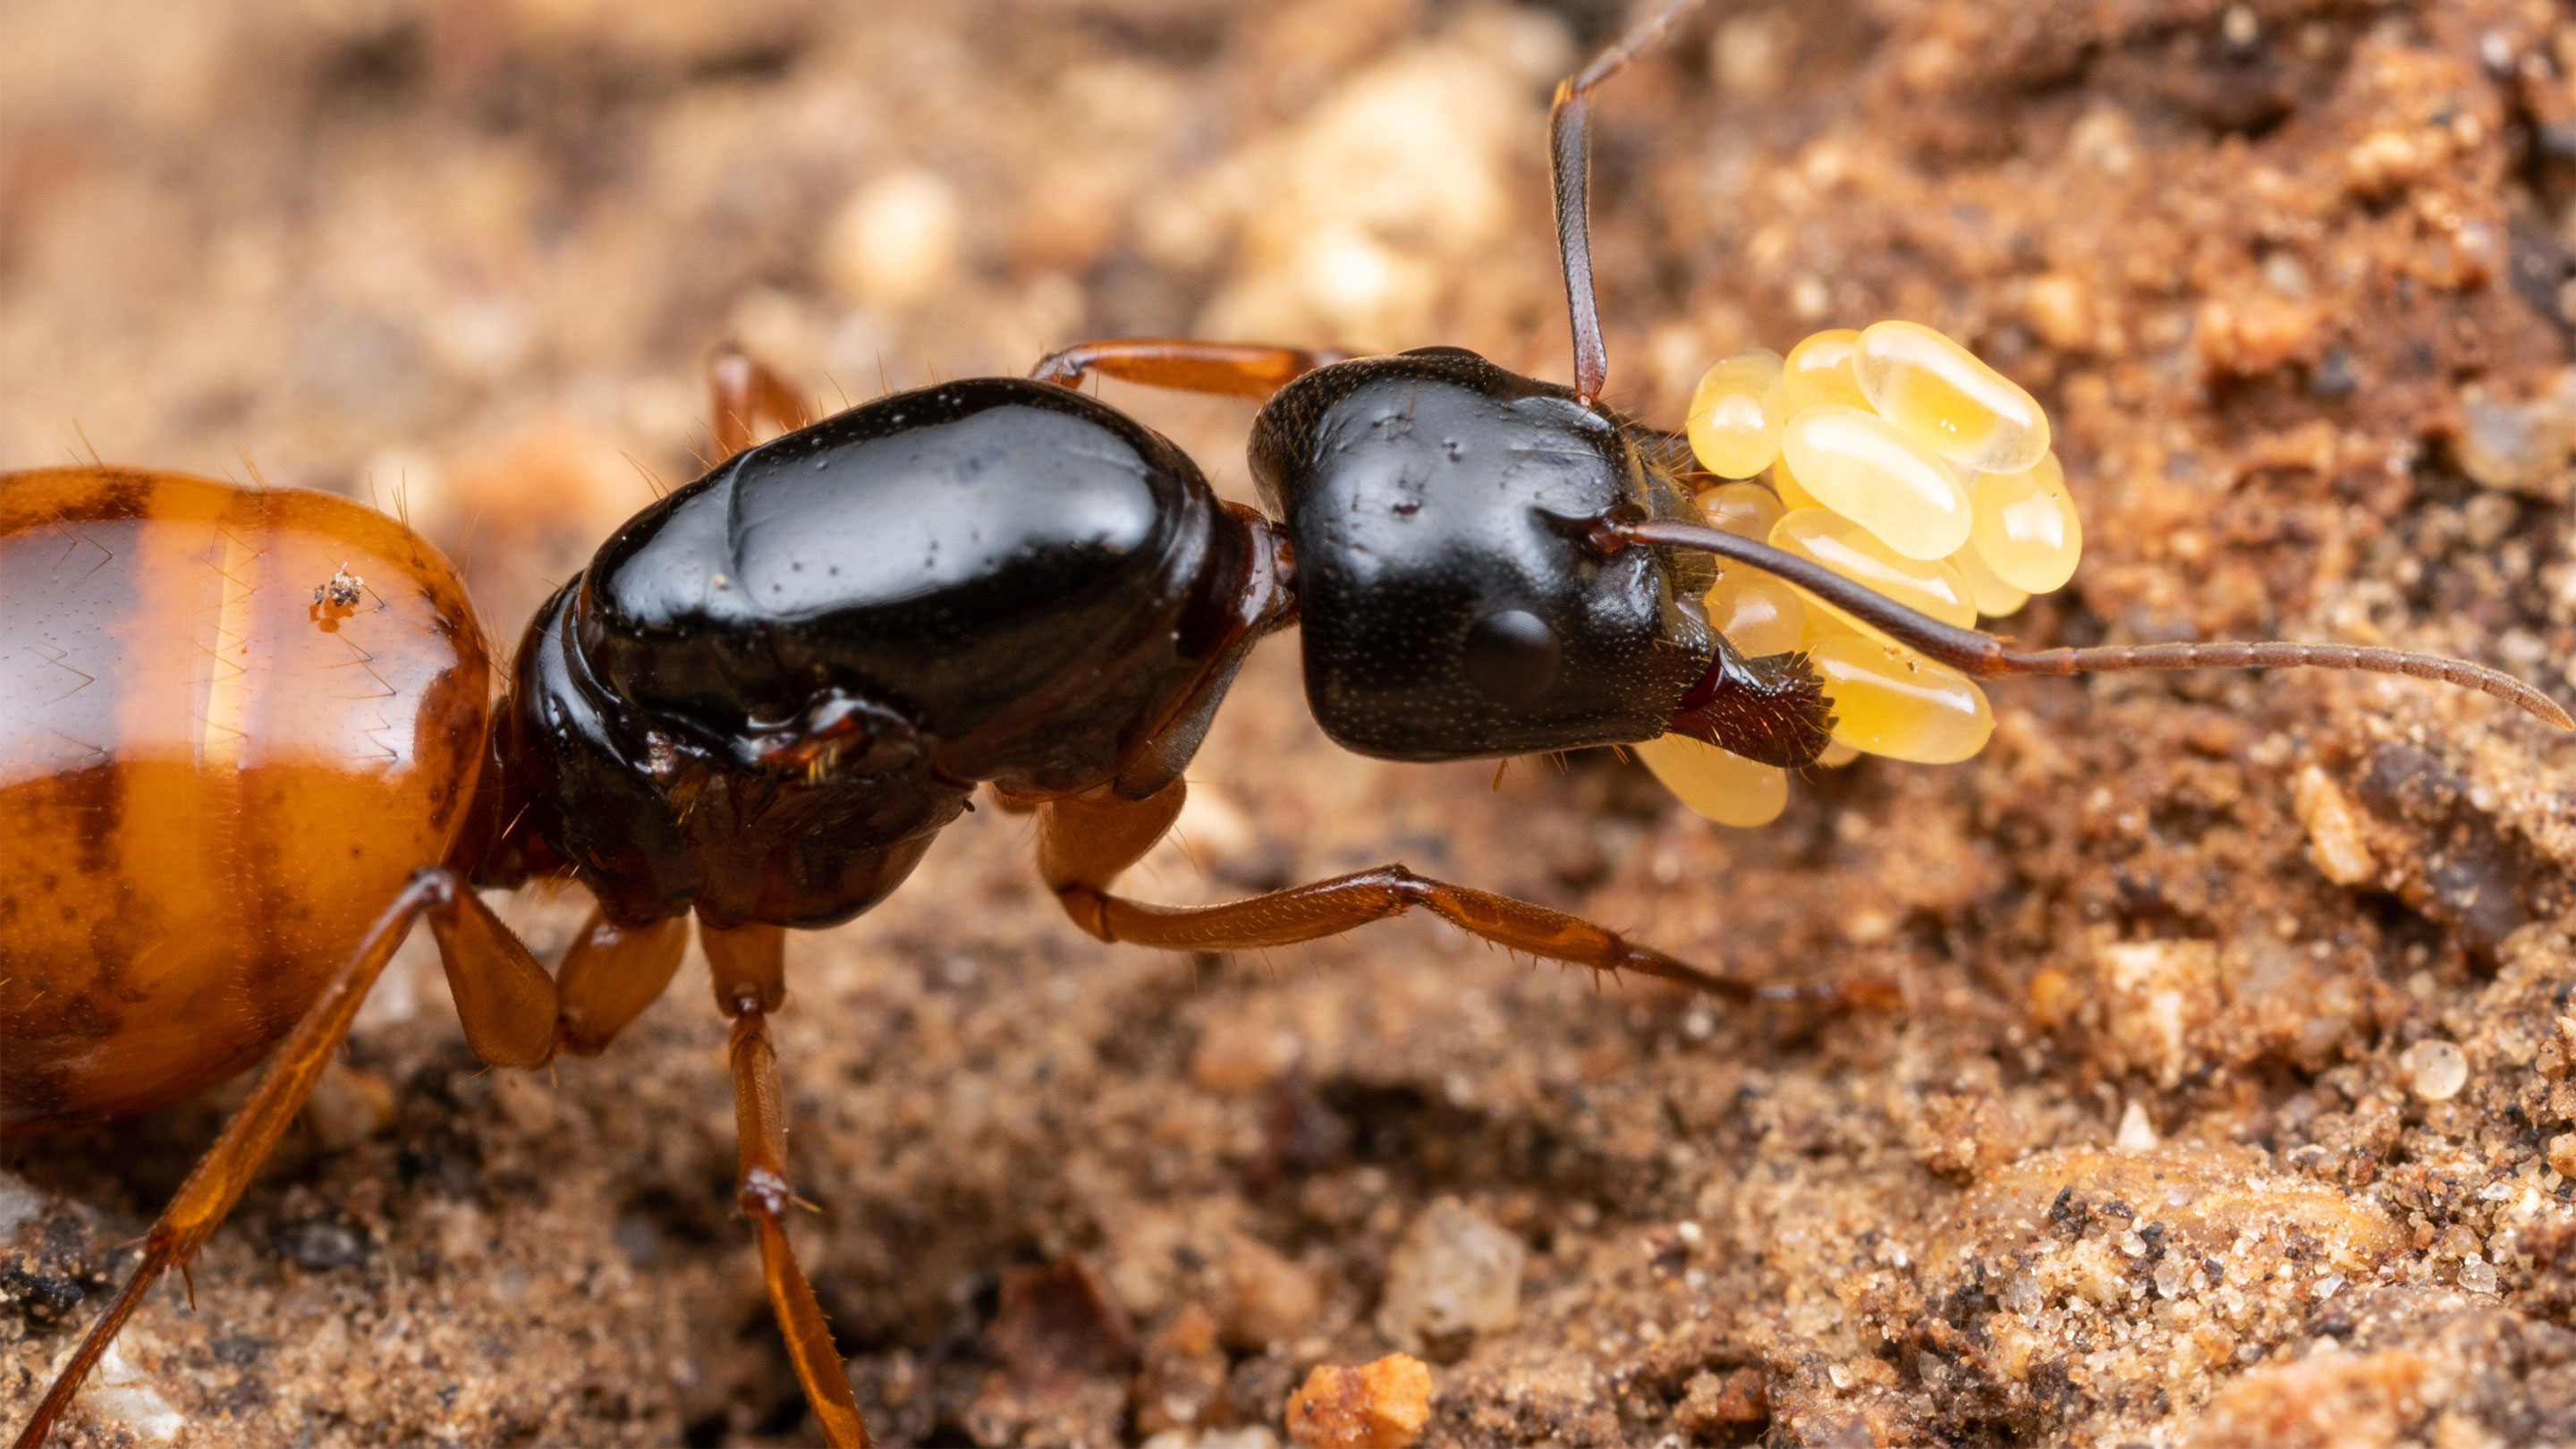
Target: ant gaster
x=771, y=689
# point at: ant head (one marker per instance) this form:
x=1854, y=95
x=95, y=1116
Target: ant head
x=1452, y=604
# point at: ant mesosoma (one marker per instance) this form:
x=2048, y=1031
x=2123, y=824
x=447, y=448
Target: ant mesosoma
x=270, y=749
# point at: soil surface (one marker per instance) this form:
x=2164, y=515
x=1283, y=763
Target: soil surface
x=2231, y=1099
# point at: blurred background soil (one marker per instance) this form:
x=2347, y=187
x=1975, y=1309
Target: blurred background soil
x=2231, y=1102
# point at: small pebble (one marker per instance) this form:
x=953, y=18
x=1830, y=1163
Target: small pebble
x=2477, y=1274
x=2171, y=1277
x=1268, y=1299
x=2022, y=1297
x=896, y=241
x=19, y=1203
x=2436, y=1069
x=1455, y=1271
x=2521, y=447
x=2137, y=1132
x=2240, y=27
x=348, y=1106
x=2489, y=518
x=2334, y=833
x=1382, y=1405
x=123, y=1394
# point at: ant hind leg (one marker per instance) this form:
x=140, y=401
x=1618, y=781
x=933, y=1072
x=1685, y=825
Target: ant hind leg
x=503, y=997
x=1085, y=840
x=749, y=968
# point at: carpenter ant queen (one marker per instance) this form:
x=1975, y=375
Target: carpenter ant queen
x=771, y=689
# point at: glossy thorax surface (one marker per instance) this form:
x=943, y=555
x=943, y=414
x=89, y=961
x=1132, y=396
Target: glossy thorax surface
x=770, y=690
x=209, y=782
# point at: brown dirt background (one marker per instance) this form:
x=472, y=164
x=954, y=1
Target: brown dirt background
x=2258, y=261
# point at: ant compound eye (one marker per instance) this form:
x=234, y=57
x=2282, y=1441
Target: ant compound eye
x=1513, y=655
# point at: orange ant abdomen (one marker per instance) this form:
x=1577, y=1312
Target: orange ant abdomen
x=180, y=715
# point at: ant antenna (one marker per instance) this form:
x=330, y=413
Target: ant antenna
x=1569, y=165
x=1972, y=651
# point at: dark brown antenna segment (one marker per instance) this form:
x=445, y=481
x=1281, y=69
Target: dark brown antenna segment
x=1569, y=163
x=1975, y=652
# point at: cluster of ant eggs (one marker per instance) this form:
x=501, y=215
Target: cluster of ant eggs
x=1896, y=458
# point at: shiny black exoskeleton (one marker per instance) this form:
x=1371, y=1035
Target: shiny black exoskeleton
x=769, y=691
x=1452, y=607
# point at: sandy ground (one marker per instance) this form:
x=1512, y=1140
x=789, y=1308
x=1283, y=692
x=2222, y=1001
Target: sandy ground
x=2232, y=1097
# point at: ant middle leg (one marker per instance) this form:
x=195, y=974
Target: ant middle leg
x=748, y=965
x=741, y=392
x=610, y=974
x=503, y=997
x=1085, y=840
x=1230, y=369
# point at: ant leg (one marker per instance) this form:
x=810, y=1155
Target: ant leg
x=508, y=1007
x=1085, y=840
x=1569, y=165
x=741, y=392
x=503, y=997
x=749, y=968
x=610, y=975
x=1231, y=369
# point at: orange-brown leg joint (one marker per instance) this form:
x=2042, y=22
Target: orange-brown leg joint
x=500, y=994
x=748, y=964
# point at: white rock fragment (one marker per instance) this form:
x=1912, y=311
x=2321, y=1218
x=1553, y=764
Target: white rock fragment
x=896, y=241
x=121, y=1393
x=18, y=1203
x=2334, y=836
x=2520, y=447
x=2156, y=996
x=2436, y=1069
x=2137, y=1133
x=1455, y=1271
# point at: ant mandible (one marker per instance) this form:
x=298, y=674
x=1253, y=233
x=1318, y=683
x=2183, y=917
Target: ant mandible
x=771, y=689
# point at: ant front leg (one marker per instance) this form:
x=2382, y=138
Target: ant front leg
x=1085, y=840
x=749, y=968
x=503, y=997
x=1229, y=369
